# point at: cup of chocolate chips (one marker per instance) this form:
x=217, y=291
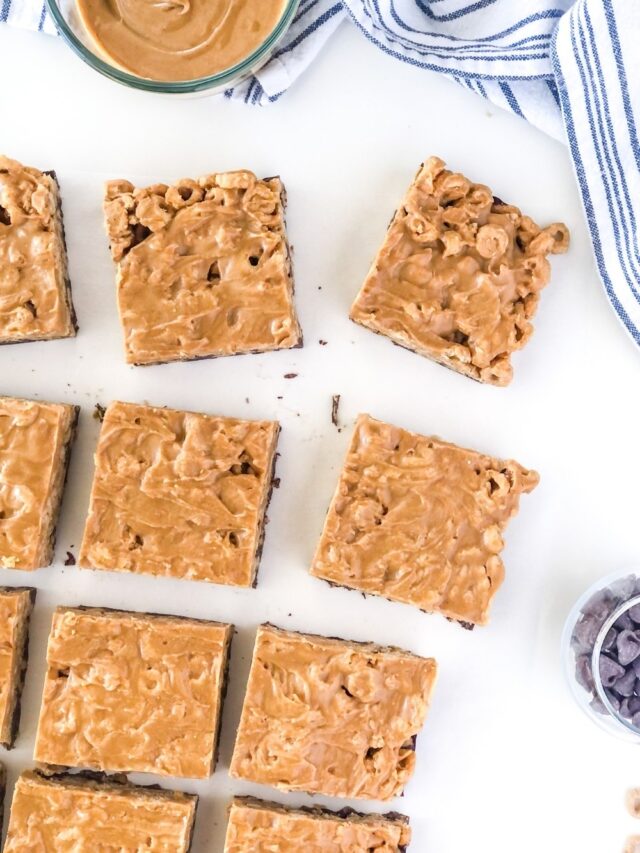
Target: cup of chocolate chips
x=601, y=645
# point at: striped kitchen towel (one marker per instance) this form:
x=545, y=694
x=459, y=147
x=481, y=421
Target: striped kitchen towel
x=570, y=67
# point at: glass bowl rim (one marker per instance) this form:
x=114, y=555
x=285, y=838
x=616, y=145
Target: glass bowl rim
x=199, y=84
x=609, y=723
x=606, y=626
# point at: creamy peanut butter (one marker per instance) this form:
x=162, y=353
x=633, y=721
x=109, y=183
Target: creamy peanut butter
x=35, y=441
x=203, y=267
x=459, y=275
x=330, y=716
x=173, y=40
x=132, y=692
x=71, y=814
x=15, y=609
x=417, y=520
x=259, y=827
x=35, y=298
x=179, y=494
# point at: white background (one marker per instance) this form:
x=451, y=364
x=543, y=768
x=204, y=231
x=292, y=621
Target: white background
x=506, y=761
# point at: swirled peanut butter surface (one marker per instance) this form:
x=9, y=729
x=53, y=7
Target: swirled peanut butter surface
x=330, y=716
x=131, y=692
x=15, y=609
x=259, y=827
x=33, y=442
x=34, y=299
x=459, y=275
x=173, y=40
x=70, y=814
x=203, y=267
x=179, y=494
x=418, y=520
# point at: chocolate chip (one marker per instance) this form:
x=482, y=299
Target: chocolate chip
x=628, y=645
x=139, y=232
x=610, y=671
x=5, y=218
x=71, y=560
x=625, y=685
x=290, y=375
x=584, y=673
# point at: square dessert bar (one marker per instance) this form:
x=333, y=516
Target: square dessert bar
x=330, y=716
x=459, y=275
x=179, y=494
x=133, y=692
x=203, y=267
x=16, y=604
x=255, y=825
x=417, y=520
x=68, y=814
x=34, y=282
x=35, y=446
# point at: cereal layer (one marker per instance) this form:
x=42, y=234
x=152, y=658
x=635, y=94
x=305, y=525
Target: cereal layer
x=331, y=716
x=203, y=267
x=132, y=692
x=35, y=302
x=179, y=494
x=418, y=520
x=459, y=275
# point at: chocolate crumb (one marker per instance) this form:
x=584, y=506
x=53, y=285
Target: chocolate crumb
x=71, y=560
x=290, y=375
x=322, y=342
x=335, y=403
x=276, y=482
x=98, y=412
x=279, y=398
x=246, y=399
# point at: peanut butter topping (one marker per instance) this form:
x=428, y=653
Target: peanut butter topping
x=330, y=716
x=459, y=275
x=132, y=692
x=179, y=494
x=34, y=298
x=203, y=267
x=74, y=815
x=15, y=610
x=417, y=520
x=179, y=39
x=34, y=440
x=259, y=827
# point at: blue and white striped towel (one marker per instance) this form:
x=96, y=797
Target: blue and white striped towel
x=570, y=67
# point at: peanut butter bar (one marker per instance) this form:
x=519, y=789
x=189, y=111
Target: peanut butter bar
x=179, y=494
x=35, y=293
x=255, y=826
x=133, y=692
x=203, y=267
x=68, y=814
x=459, y=275
x=330, y=716
x=418, y=520
x=16, y=604
x=35, y=446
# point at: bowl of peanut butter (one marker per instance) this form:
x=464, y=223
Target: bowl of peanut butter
x=174, y=46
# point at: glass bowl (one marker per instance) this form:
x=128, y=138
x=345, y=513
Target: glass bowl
x=69, y=24
x=601, y=653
